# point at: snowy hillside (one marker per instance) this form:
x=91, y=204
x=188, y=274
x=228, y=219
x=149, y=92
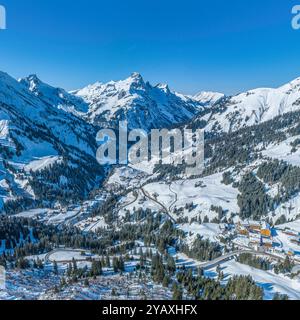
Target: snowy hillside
x=54, y=96
x=36, y=135
x=208, y=97
x=252, y=107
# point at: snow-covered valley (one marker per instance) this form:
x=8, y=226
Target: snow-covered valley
x=72, y=229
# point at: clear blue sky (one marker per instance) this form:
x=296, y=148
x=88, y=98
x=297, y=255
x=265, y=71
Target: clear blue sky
x=193, y=45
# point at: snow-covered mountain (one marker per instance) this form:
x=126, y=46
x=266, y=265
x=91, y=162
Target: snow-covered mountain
x=55, y=96
x=252, y=107
x=208, y=97
x=42, y=127
x=47, y=157
x=141, y=104
x=146, y=106
x=36, y=135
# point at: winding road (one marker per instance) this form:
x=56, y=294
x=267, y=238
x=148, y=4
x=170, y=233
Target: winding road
x=176, y=197
x=49, y=260
x=226, y=257
x=203, y=265
x=136, y=195
x=165, y=209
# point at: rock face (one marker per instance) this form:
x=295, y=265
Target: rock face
x=141, y=104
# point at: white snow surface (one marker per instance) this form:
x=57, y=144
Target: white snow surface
x=268, y=280
x=208, y=97
x=283, y=151
x=42, y=163
x=254, y=107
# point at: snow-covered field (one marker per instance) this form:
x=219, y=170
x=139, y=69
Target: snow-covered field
x=203, y=193
x=131, y=203
x=295, y=225
x=285, y=243
x=269, y=281
x=63, y=255
x=32, y=213
x=283, y=151
x=210, y=231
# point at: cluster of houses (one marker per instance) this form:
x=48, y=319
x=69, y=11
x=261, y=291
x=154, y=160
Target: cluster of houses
x=258, y=233
x=261, y=236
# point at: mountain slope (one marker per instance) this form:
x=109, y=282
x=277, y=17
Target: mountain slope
x=252, y=107
x=33, y=130
x=208, y=97
x=54, y=96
